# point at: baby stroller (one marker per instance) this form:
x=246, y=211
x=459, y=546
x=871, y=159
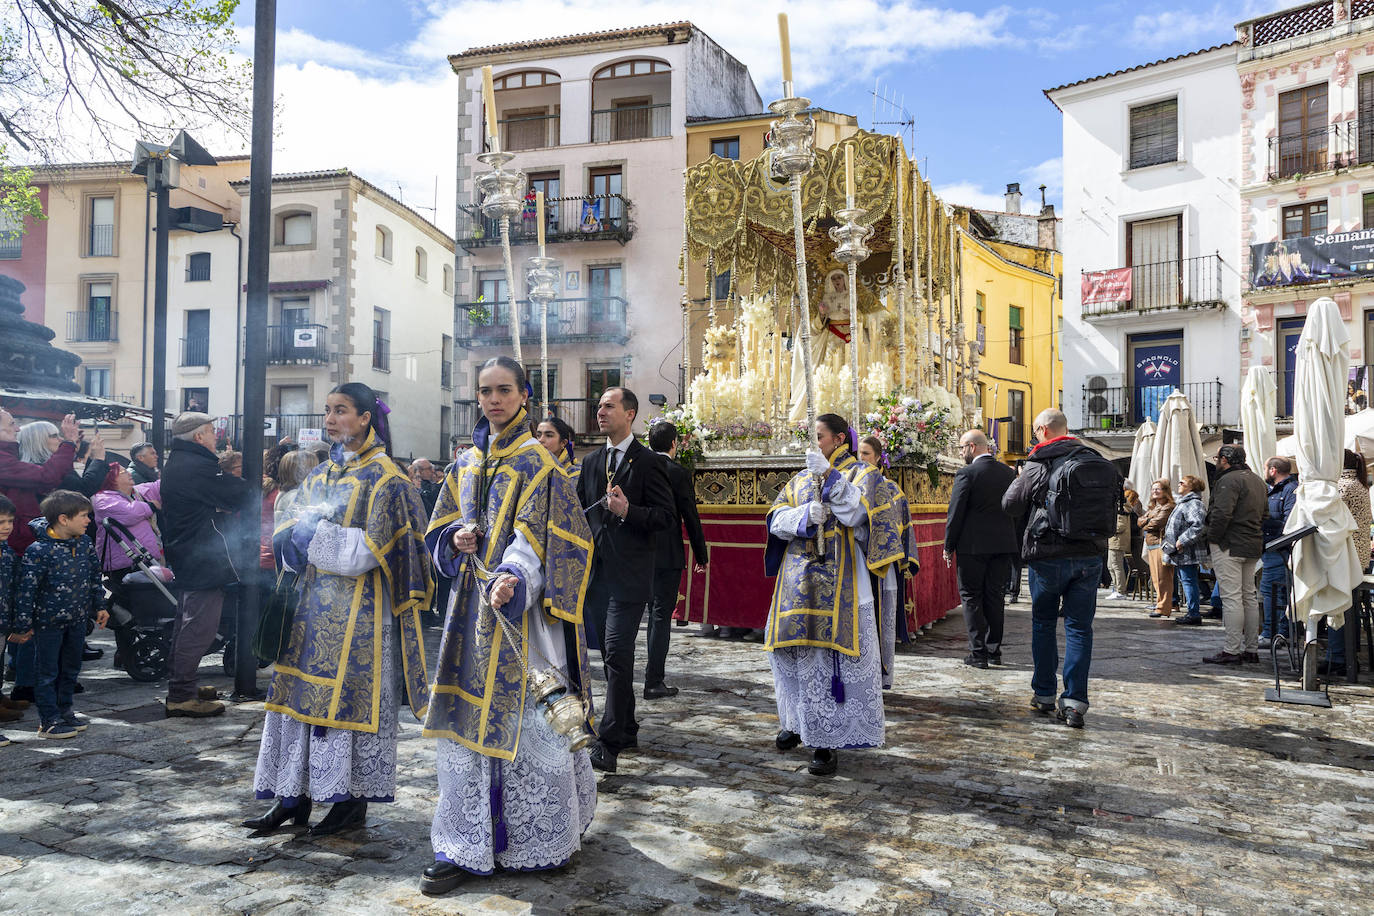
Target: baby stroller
x=143, y=612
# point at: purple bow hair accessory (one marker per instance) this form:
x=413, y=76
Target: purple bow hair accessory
x=853, y=441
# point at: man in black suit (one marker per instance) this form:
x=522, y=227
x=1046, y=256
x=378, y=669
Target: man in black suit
x=625, y=491
x=984, y=539
x=670, y=559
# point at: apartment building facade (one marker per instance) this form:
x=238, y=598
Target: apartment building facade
x=1306, y=76
x=1151, y=241
x=598, y=123
x=360, y=289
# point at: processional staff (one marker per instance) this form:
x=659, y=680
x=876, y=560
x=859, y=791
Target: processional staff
x=501, y=199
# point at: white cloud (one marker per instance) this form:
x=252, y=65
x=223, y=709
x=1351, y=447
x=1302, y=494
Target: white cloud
x=831, y=43
x=1191, y=25
x=1050, y=173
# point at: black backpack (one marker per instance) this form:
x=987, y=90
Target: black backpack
x=1083, y=494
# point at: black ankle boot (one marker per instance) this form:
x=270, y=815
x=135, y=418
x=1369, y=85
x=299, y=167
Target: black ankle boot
x=344, y=815
x=441, y=877
x=823, y=762
x=279, y=814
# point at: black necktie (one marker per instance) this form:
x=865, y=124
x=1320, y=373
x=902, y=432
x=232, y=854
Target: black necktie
x=612, y=460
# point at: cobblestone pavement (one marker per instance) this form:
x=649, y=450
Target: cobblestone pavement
x=1184, y=793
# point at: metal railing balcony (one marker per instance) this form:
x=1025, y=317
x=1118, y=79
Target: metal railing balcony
x=195, y=351
x=579, y=413
x=275, y=426
x=1185, y=283
x=1128, y=406
x=11, y=246
x=566, y=219
x=640, y=122
x=297, y=345
x=596, y=320
x=102, y=240
x=92, y=327
x=536, y=132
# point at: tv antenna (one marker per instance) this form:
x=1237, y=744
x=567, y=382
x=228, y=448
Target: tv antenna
x=890, y=115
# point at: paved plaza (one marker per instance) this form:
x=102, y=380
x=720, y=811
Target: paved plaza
x=1186, y=793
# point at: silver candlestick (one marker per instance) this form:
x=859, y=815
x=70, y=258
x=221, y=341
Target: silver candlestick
x=794, y=154
x=541, y=278
x=850, y=236
x=502, y=199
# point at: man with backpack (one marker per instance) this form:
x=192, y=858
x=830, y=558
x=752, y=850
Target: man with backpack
x=1070, y=493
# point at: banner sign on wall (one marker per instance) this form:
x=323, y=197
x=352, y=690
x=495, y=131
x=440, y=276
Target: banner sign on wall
x=1312, y=257
x=1107, y=286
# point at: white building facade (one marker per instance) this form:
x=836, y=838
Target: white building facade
x=360, y=290
x=1307, y=173
x=598, y=123
x=1151, y=241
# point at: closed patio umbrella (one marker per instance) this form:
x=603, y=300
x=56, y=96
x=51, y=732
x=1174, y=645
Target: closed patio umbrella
x=1178, y=444
x=1257, y=407
x=1325, y=567
x=1142, y=472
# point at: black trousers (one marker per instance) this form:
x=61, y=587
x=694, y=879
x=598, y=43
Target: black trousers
x=982, y=585
x=619, y=729
x=661, y=610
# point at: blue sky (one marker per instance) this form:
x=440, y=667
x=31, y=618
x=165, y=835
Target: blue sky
x=365, y=84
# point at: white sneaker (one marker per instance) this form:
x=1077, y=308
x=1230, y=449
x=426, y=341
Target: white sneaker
x=1116, y=596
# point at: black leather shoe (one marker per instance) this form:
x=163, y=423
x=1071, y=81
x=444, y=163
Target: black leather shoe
x=344, y=815
x=441, y=877
x=602, y=759
x=1070, y=717
x=1249, y=656
x=277, y=815
x=787, y=740
x=1042, y=707
x=1188, y=621
x=995, y=659
x=90, y=653
x=974, y=661
x=823, y=762
x=659, y=692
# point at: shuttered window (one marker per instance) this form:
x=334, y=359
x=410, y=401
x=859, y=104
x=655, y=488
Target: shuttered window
x=1154, y=133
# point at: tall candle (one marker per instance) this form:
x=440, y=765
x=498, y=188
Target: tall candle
x=849, y=175
x=786, y=48
x=539, y=216
x=489, y=102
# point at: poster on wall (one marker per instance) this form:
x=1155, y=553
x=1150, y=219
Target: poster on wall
x=1312, y=257
x=1155, y=373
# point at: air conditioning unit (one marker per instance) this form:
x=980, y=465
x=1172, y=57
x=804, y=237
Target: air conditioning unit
x=1104, y=380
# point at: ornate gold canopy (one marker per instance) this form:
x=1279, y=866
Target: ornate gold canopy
x=738, y=213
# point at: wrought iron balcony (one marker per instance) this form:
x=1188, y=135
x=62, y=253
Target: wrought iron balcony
x=92, y=327
x=579, y=413
x=1128, y=406
x=11, y=245
x=596, y=320
x=1184, y=283
x=566, y=219
x=297, y=345
x=640, y=122
x=195, y=351
x=1333, y=146
x=538, y=132
x=276, y=426
x=102, y=240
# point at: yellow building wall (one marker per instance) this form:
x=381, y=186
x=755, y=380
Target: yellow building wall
x=1002, y=285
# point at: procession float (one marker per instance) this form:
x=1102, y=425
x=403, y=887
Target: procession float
x=843, y=297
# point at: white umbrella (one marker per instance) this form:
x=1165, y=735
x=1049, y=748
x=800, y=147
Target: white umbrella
x=1325, y=568
x=1257, y=408
x=1142, y=457
x=1178, y=445
x=1359, y=433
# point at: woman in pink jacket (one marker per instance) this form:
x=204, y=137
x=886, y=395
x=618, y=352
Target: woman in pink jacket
x=132, y=506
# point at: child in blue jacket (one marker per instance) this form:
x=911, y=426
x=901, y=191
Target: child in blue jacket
x=59, y=587
x=9, y=562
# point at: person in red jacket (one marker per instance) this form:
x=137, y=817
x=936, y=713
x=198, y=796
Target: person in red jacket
x=26, y=484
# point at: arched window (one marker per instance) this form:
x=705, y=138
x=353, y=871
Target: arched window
x=293, y=228
x=421, y=263
x=640, y=67
x=525, y=79
x=448, y=278
x=383, y=242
